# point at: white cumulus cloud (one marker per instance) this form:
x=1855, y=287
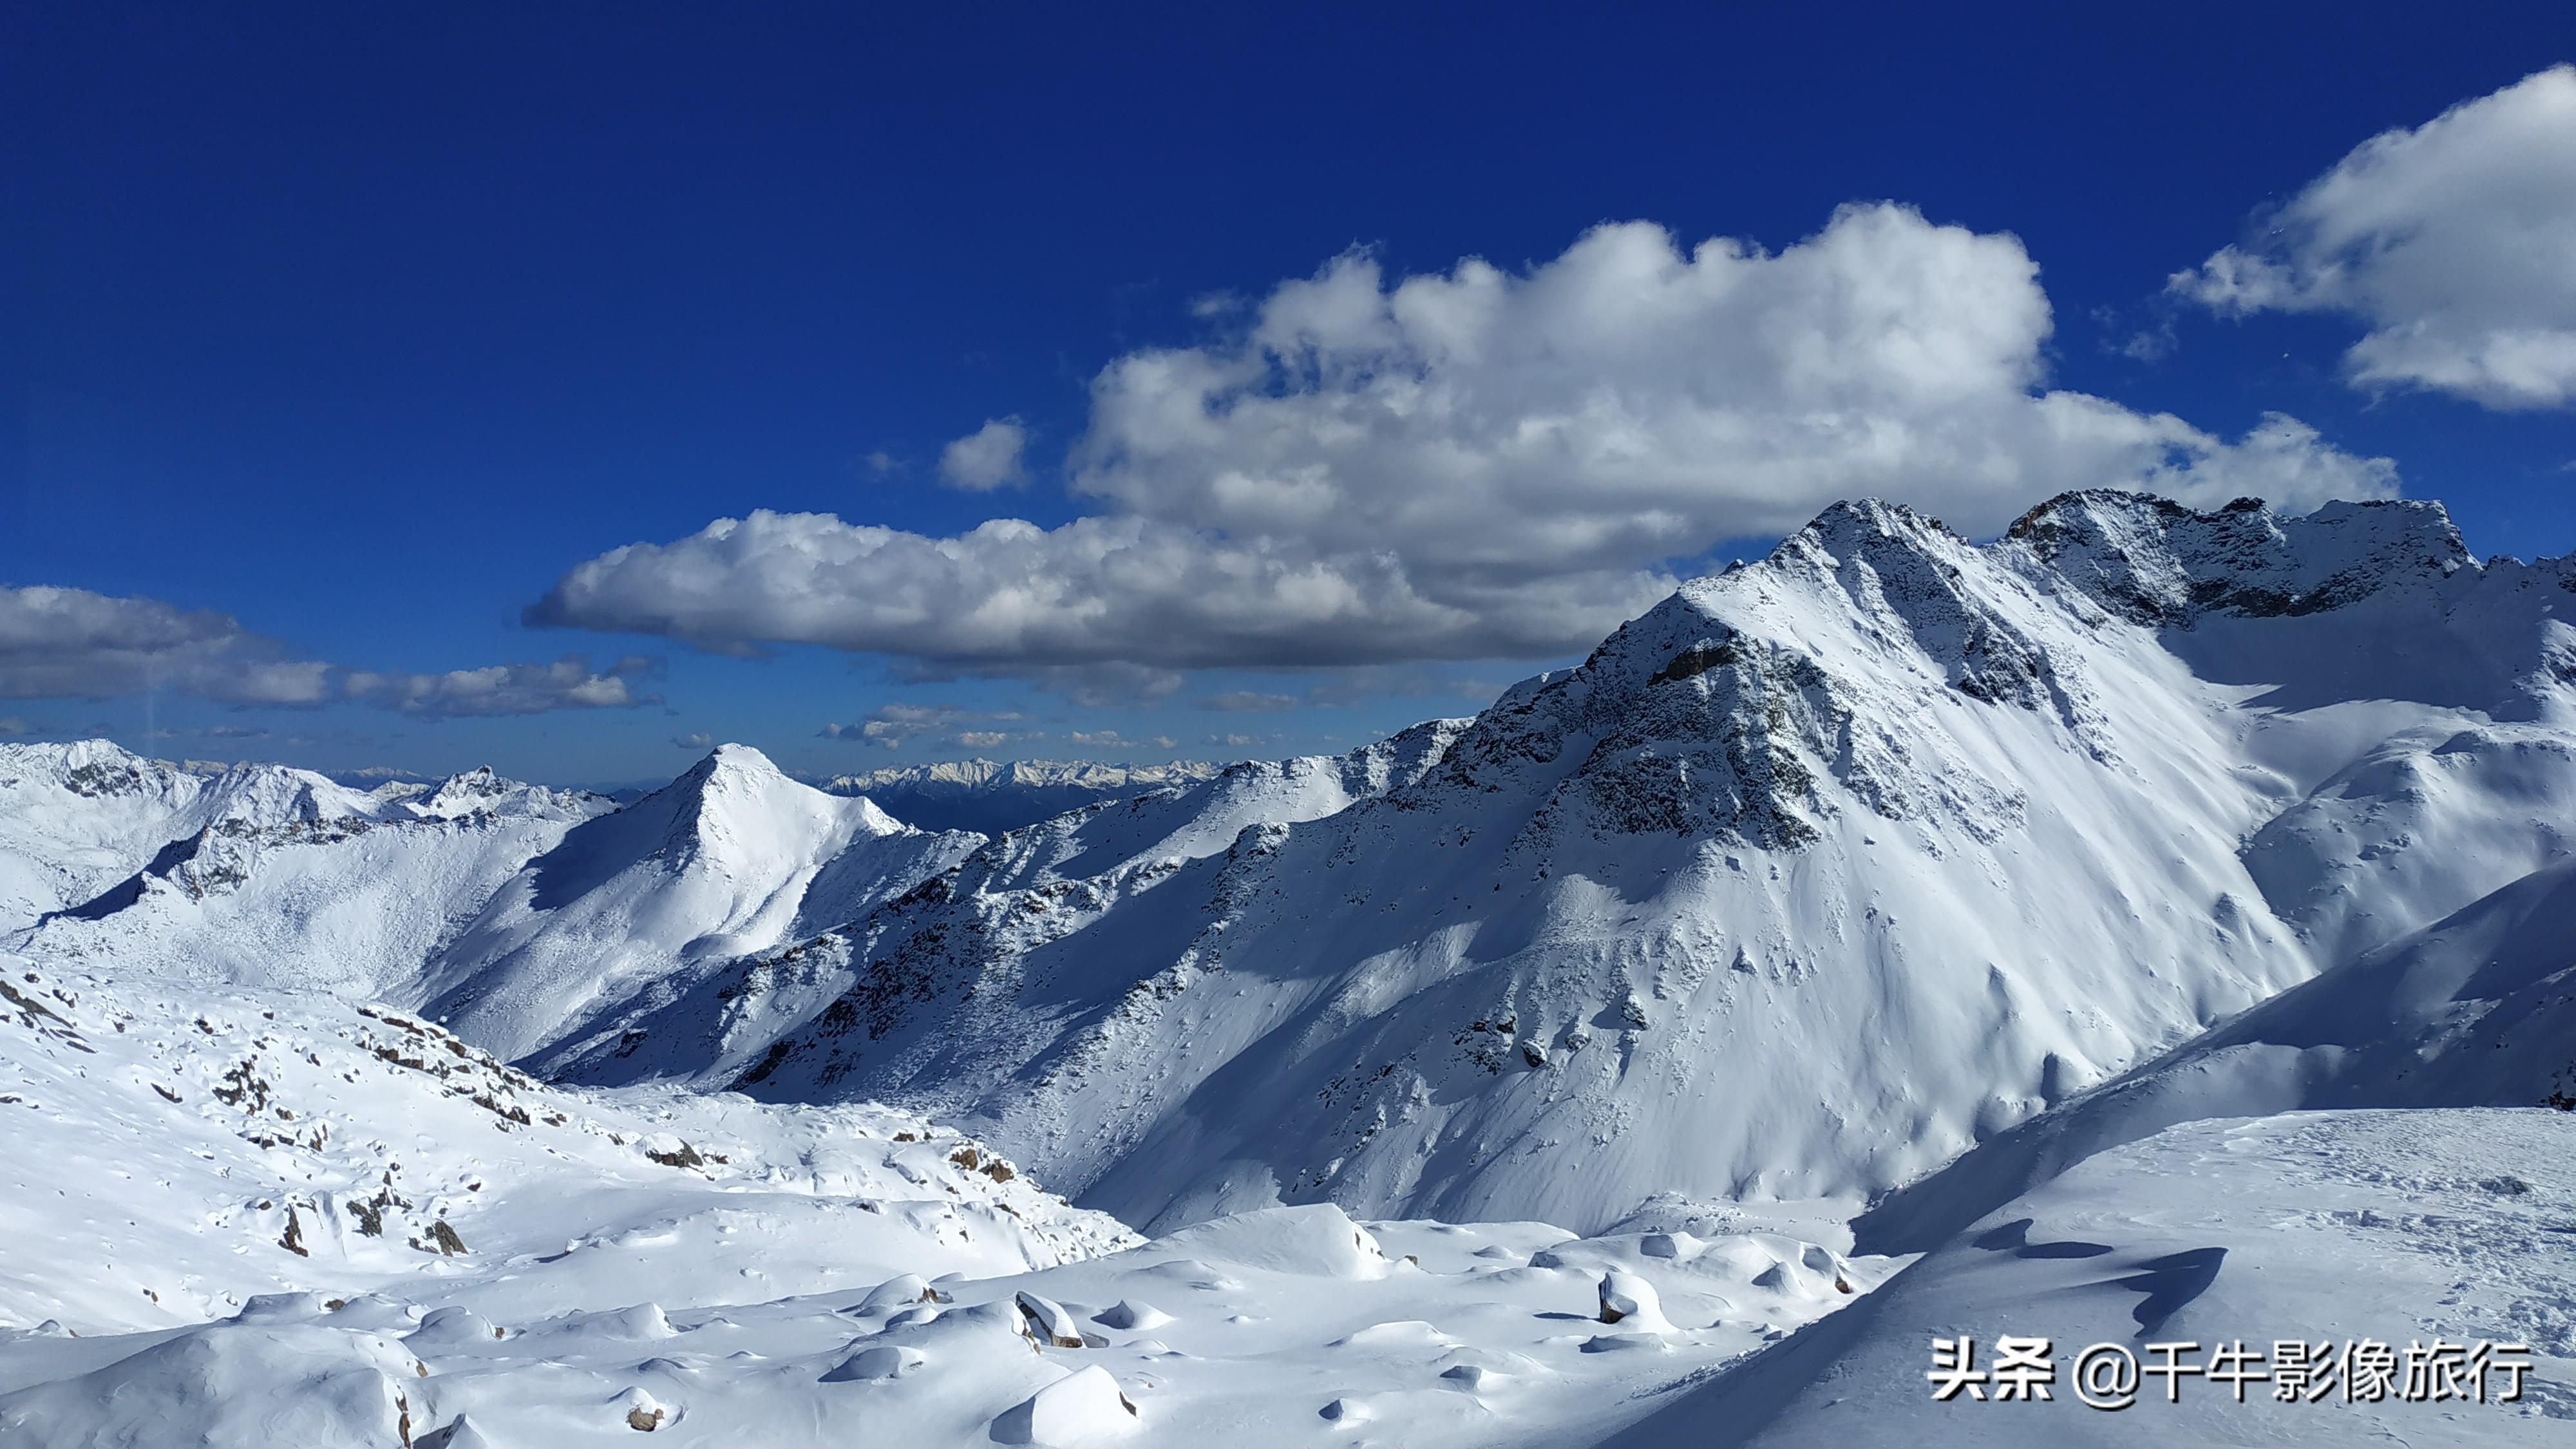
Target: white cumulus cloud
x=1477, y=463
x=2455, y=242
x=987, y=458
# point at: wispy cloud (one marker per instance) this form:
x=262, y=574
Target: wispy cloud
x=59, y=643
x=1113, y=740
x=1245, y=701
x=892, y=726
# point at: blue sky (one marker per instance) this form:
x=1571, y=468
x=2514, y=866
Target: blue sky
x=339, y=340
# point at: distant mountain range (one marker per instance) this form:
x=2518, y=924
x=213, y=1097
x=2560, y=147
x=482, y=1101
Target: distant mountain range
x=993, y=797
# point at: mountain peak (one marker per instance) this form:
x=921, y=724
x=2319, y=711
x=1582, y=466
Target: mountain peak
x=737, y=791
x=1854, y=520
x=739, y=757
x=730, y=767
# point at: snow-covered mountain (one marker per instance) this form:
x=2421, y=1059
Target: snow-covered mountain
x=511, y=907
x=992, y=797
x=1979, y=826
x=1805, y=882
x=2227, y=1190
x=733, y=1012
x=269, y=875
x=732, y=857
x=78, y=819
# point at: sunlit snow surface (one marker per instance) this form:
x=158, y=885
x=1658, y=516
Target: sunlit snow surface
x=721, y=1261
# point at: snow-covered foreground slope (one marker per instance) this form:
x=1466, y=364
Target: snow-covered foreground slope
x=169, y=1144
x=2404, y=1228
x=1805, y=882
x=246, y=1218
x=991, y=797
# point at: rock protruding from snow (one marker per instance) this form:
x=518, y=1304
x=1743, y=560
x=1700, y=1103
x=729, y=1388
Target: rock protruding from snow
x=896, y=1294
x=1046, y=1322
x=1629, y=1300
x=641, y=1410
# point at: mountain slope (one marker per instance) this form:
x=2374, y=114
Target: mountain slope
x=1803, y=883
x=2476, y=1010
x=281, y=878
x=512, y=907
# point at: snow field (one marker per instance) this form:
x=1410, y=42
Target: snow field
x=261, y=1261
